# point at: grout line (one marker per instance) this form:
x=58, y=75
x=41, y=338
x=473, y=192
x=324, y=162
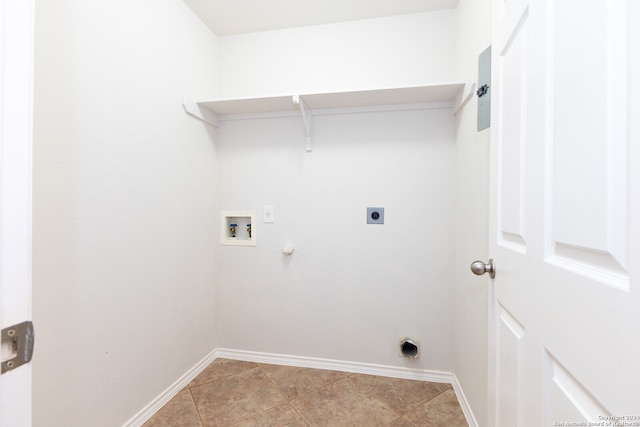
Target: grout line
x=250, y=416
x=299, y=414
x=287, y=400
x=413, y=408
x=377, y=399
x=347, y=375
x=439, y=394
x=320, y=388
x=222, y=377
x=273, y=384
x=284, y=399
x=267, y=410
x=196, y=406
x=405, y=420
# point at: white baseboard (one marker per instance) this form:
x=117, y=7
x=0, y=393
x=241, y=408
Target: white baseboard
x=337, y=365
x=464, y=403
x=304, y=362
x=157, y=403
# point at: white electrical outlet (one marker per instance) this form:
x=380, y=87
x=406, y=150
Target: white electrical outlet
x=269, y=215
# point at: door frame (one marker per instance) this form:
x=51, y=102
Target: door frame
x=16, y=132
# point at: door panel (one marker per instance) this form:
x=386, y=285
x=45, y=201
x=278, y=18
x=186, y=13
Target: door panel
x=567, y=398
x=512, y=200
x=510, y=354
x=565, y=213
x=589, y=108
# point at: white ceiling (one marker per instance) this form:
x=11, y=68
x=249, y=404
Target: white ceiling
x=227, y=17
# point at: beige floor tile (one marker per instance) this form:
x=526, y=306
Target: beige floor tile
x=443, y=410
x=282, y=415
x=178, y=412
x=400, y=422
x=399, y=394
x=231, y=399
x=293, y=381
x=246, y=394
x=341, y=404
x=221, y=368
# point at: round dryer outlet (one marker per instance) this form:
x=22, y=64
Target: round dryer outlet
x=409, y=348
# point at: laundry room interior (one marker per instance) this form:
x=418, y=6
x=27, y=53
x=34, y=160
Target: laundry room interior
x=158, y=143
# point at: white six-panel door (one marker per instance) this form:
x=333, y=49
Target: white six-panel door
x=565, y=213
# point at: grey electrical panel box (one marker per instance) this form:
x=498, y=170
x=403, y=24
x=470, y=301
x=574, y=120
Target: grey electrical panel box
x=484, y=89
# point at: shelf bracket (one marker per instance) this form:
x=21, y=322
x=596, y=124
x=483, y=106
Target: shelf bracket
x=306, y=118
x=200, y=113
x=467, y=94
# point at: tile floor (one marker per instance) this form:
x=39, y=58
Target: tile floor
x=247, y=394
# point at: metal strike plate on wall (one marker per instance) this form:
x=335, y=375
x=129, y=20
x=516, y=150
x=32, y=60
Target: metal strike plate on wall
x=484, y=89
x=17, y=342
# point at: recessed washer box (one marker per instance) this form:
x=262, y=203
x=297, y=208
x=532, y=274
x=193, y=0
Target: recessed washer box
x=375, y=215
x=238, y=228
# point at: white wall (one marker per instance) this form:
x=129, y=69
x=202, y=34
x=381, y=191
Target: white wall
x=472, y=214
x=350, y=290
x=123, y=206
x=402, y=50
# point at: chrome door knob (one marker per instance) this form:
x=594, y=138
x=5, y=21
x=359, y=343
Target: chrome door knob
x=479, y=268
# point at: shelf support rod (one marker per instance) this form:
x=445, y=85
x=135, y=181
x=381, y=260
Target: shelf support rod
x=306, y=118
x=200, y=113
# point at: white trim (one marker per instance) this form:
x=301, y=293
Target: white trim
x=16, y=135
x=154, y=406
x=464, y=403
x=305, y=362
x=337, y=365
